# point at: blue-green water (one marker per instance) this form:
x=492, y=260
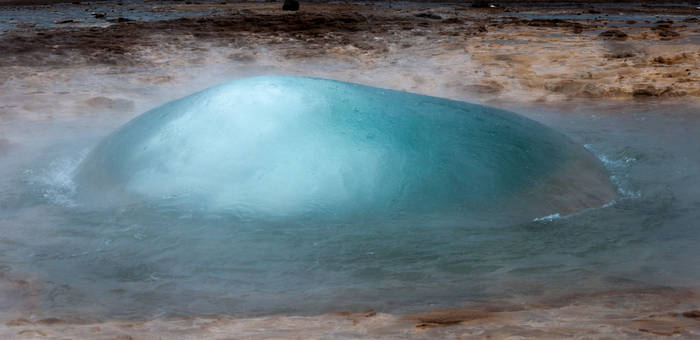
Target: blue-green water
x=148, y=256
x=294, y=149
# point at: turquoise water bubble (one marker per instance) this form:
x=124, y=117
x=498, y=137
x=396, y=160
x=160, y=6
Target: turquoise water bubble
x=284, y=195
x=274, y=147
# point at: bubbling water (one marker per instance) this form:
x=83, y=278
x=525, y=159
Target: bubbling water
x=271, y=148
x=91, y=244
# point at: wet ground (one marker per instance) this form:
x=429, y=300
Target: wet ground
x=520, y=53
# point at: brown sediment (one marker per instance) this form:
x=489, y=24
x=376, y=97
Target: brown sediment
x=449, y=317
x=663, y=330
x=620, y=314
x=693, y=314
x=664, y=325
x=50, y=321
x=31, y=332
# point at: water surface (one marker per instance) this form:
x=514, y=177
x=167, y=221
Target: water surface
x=137, y=262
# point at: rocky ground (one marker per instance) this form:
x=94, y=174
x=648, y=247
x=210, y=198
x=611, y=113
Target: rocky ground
x=505, y=53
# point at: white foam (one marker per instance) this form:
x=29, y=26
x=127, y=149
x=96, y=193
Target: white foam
x=548, y=217
x=56, y=180
x=615, y=166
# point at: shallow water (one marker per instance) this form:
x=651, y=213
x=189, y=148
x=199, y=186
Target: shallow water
x=137, y=262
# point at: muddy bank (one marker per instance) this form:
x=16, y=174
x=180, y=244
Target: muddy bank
x=518, y=53
x=623, y=314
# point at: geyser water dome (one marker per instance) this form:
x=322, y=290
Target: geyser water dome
x=281, y=147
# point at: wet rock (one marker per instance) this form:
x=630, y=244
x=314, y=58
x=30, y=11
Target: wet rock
x=290, y=5
x=693, y=314
x=613, y=34
x=550, y=23
x=668, y=34
x=449, y=317
x=453, y=21
x=25, y=25
x=486, y=87
x=663, y=331
x=99, y=15
x=32, y=333
x=567, y=86
x=648, y=91
x=18, y=322
x=50, y=321
x=429, y=16
x=672, y=59
x=480, y=4
x=120, y=19
x=475, y=29
x=369, y=313
x=64, y=21
x=593, y=90
x=662, y=60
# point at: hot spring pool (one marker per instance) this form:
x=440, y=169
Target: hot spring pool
x=227, y=202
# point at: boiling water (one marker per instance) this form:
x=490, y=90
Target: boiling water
x=148, y=258
x=294, y=148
